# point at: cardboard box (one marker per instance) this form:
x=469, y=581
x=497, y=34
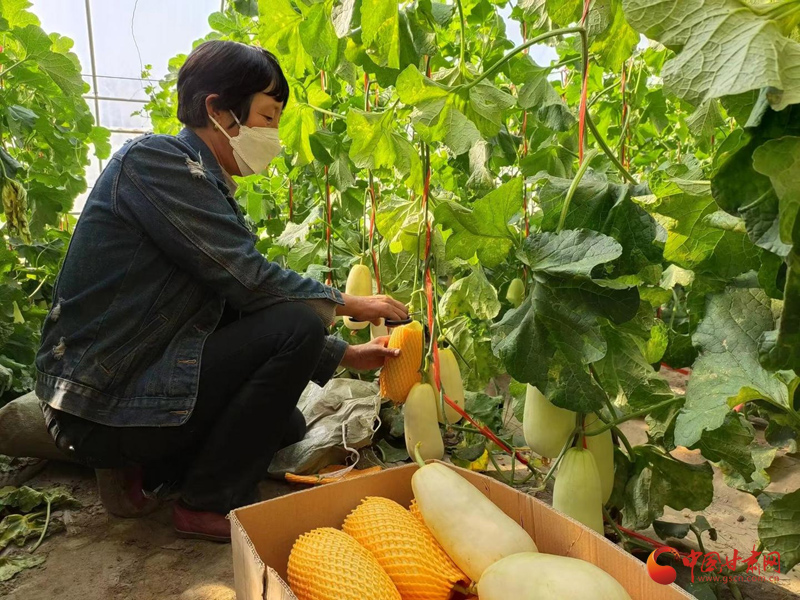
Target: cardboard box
x=263, y=533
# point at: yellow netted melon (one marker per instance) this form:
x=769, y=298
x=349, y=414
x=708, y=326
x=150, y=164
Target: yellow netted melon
x=328, y=564
x=400, y=374
x=405, y=548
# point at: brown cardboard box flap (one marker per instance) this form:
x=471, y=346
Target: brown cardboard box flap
x=263, y=534
x=248, y=569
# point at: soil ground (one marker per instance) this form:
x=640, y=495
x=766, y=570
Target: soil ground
x=100, y=557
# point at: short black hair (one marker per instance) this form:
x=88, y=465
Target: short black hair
x=235, y=72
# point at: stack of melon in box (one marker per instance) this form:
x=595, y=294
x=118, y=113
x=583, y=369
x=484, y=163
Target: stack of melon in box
x=453, y=542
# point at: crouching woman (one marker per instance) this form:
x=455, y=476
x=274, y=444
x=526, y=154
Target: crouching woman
x=174, y=350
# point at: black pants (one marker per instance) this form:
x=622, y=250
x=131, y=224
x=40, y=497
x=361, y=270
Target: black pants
x=252, y=373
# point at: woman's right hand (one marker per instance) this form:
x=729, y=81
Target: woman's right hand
x=372, y=308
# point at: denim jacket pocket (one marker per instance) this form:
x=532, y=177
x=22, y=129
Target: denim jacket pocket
x=116, y=357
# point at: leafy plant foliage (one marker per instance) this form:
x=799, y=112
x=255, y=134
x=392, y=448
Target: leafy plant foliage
x=46, y=131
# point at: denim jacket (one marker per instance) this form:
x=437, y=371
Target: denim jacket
x=159, y=249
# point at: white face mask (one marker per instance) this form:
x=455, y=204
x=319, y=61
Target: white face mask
x=254, y=147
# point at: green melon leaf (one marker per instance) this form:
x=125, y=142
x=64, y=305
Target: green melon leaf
x=612, y=40
x=660, y=480
x=377, y=143
x=482, y=230
x=727, y=372
x=380, y=24
x=280, y=31
x=779, y=529
x=472, y=295
x=317, y=33
x=722, y=48
x=732, y=443
x=297, y=125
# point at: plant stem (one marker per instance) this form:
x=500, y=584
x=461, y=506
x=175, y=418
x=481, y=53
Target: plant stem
x=608, y=151
x=390, y=284
x=326, y=112
x=364, y=229
x=464, y=428
x=467, y=429
x=348, y=247
x=454, y=348
x=16, y=64
x=511, y=482
x=418, y=456
x=624, y=441
x=623, y=538
x=568, y=151
x=44, y=529
x=539, y=38
x=610, y=407
x=574, y=187
x=624, y=132
x=699, y=537
x=415, y=286
x=428, y=360
x=499, y=471
x=579, y=417
x=601, y=93
x=525, y=479
x=613, y=524
x=601, y=417
x=373, y=196
x=633, y=415
x=675, y=305
x=563, y=63
x=735, y=591
x=554, y=466
x=44, y=279
x=611, y=410
x=463, y=37
x=583, y=110
x=366, y=95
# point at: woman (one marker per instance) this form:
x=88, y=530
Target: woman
x=172, y=343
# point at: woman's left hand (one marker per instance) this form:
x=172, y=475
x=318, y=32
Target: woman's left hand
x=369, y=356
x=372, y=308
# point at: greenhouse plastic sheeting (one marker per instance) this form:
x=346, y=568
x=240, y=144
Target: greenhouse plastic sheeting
x=341, y=418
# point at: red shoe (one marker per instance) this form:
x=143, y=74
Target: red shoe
x=121, y=492
x=200, y=525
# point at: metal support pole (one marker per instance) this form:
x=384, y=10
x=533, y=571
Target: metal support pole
x=90, y=31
